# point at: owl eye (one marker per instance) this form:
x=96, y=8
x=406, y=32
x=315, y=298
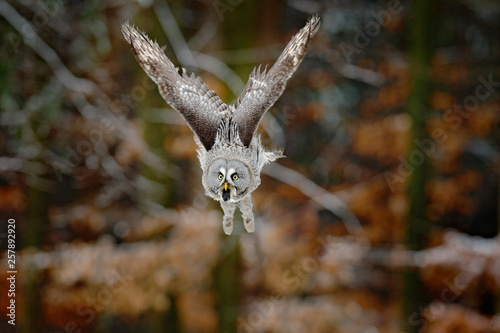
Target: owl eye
x=220, y=176
x=235, y=177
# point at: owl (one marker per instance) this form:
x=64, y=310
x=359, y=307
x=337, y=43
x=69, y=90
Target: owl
x=230, y=152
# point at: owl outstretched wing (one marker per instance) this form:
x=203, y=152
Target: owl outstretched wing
x=264, y=88
x=198, y=105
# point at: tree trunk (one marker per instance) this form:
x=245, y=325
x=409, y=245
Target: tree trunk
x=422, y=32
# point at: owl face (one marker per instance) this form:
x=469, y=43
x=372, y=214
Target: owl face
x=228, y=180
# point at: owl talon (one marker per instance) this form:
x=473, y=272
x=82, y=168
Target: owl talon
x=227, y=225
x=249, y=224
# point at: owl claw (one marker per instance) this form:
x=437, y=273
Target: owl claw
x=227, y=225
x=249, y=224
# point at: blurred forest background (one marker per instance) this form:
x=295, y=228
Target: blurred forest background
x=384, y=216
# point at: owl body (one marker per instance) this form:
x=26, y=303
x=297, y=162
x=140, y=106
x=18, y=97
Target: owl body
x=231, y=171
x=230, y=151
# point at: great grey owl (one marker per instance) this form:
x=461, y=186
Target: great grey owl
x=230, y=151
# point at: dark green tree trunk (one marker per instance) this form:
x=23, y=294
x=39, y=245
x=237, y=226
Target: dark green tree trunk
x=421, y=49
x=33, y=237
x=239, y=22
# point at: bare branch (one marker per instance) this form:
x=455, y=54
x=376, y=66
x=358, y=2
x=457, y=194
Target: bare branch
x=174, y=34
x=221, y=70
x=43, y=50
x=317, y=194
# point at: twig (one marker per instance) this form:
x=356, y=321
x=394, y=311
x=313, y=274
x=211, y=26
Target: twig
x=317, y=194
x=43, y=50
x=361, y=74
x=174, y=34
x=251, y=55
x=221, y=70
x=203, y=36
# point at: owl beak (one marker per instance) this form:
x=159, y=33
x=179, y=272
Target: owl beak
x=225, y=193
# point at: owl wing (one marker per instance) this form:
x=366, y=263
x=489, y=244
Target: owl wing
x=198, y=105
x=264, y=88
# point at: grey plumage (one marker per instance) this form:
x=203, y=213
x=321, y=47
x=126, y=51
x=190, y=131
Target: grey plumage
x=231, y=154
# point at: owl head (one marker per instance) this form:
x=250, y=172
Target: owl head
x=230, y=173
